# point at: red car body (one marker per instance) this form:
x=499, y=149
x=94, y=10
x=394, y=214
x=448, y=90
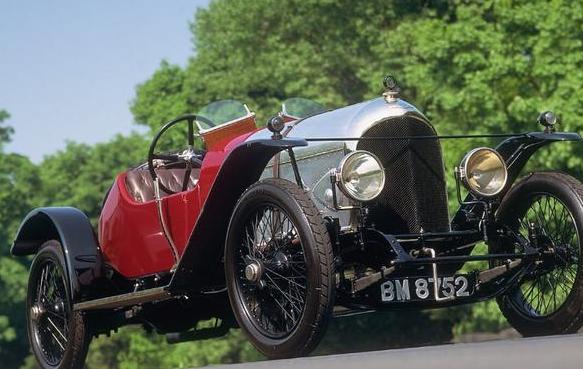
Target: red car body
x=129, y=232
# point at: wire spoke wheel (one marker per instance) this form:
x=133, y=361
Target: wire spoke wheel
x=58, y=335
x=272, y=271
x=279, y=269
x=546, y=289
x=50, y=313
x=546, y=210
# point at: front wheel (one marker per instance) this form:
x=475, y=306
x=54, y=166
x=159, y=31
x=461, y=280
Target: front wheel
x=547, y=208
x=279, y=269
x=58, y=336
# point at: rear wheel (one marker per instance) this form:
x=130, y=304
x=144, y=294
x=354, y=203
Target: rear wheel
x=548, y=209
x=279, y=269
x=58, y=335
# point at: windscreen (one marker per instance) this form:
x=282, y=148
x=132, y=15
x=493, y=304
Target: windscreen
x=300, y=107
x=223, y=111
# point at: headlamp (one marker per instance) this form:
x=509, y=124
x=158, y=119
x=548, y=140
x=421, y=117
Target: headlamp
x=362, y=176
x=483, y=172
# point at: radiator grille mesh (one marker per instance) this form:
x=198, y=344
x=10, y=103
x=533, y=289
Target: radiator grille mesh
x=415, y=193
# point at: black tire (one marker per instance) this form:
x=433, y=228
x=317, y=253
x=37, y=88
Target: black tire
x=302, y=242
x=58, y=336
x=545, y=200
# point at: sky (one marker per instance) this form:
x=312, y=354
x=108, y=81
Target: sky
x=69, y=68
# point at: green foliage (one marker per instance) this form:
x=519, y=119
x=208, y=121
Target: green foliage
x=18, y=181
x=482, y=317
x=5, y=131
x=491, y=67
x=274, y=50
x=133, y=348
x=144, y=351
x=472, y=67
x=80, y=175
x=161, y=98
x=77, y=176
x=13, y=343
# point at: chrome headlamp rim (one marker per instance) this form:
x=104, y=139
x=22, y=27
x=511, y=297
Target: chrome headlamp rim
x=462, y=172
x=350, y=194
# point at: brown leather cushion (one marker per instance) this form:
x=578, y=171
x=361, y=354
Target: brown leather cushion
x=141, y=187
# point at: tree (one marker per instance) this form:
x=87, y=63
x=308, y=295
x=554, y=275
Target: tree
x=18, y=180
x=13, y=342
x=492, y=67
x=262, y=52
x=5, y=132
x=77, y=176
x=80, y=175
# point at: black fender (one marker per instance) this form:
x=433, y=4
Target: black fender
x=200, y=265
x=516, y=151
x=72, y=229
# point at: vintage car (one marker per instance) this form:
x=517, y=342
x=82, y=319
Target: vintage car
x=322, y=213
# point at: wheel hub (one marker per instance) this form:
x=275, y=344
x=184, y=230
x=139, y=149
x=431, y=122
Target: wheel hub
x=253, y=271
x=36, y=312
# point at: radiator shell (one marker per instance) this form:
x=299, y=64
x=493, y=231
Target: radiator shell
x=414, y=197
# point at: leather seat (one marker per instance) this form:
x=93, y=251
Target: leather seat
x=141, y=187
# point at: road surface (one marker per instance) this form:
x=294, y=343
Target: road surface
x=557, y=352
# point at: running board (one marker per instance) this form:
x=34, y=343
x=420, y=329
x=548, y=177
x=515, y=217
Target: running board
x=127, y=299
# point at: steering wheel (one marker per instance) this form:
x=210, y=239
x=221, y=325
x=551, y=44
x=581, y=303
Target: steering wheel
x=189, y=156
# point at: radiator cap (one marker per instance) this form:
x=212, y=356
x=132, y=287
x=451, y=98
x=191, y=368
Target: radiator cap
x=392, y=89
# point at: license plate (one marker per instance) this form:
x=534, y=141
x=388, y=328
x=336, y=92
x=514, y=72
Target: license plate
x=421, y=288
